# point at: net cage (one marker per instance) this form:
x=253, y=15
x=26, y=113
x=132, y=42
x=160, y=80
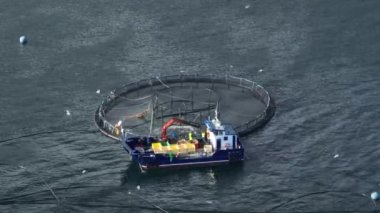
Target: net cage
x=143, y=106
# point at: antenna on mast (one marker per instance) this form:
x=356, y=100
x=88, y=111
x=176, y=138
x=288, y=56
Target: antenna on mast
x=216, y=111
x=216, y=121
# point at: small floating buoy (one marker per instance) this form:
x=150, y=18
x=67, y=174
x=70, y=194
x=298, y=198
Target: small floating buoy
x=260, y=70
x=98, y=91
x=247, y=6
x=68, y=113
x=375, y=196
x=84, y=171
x=336, y=156
x=138, y=187
x=23, y=40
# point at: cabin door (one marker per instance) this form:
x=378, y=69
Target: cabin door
x=218, y=143
x=234, y=142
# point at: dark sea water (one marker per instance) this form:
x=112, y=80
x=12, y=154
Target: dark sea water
x=320, y=61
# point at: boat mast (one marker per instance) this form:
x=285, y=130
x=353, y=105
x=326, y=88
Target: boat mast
x=216, y=111
x=152, y=115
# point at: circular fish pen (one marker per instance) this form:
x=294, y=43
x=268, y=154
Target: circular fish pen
x=142, y=107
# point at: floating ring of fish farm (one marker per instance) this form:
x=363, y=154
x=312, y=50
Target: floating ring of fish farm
x=142, y=107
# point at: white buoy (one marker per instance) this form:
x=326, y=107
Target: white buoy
x=68, y=112
x=23, y=40
x=98, y=91
x=260, y=70
x=247, y=6
x=375, y=196
x=336, y=156
x=138, y=187
x=84, y=171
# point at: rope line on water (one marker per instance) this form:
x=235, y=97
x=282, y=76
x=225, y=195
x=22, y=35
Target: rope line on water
x=321, y=192
x=14, y=200
x=47, y=186
x=47, y=132
x=154, y=205
x=158, y=78
x=105, y=205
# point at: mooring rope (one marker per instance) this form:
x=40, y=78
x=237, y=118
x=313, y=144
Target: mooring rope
x=154, y=205
x=47, y=132
x=12, y=201
x=316, y=193
x=158, y=78
x=47, y=186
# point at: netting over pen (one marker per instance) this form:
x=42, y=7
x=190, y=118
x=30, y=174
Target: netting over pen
x=143, y=106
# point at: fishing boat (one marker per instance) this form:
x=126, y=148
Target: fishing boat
x=185, y=144
x=161, y=121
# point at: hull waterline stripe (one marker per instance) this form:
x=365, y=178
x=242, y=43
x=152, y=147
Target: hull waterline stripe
x=183, y=164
